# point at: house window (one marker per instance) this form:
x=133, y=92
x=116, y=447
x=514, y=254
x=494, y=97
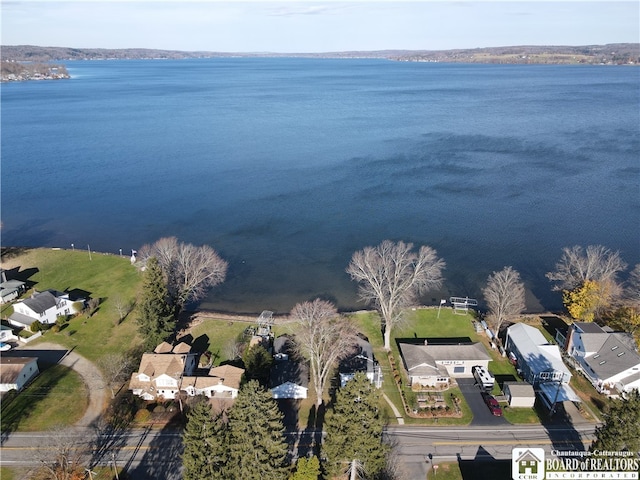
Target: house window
x=458, y=369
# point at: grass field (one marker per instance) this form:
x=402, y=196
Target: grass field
x=107, y=277
x=57, y=396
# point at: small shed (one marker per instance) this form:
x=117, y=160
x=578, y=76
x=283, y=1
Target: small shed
x=519, y=394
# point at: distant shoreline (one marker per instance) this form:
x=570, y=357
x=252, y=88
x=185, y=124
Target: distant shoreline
x=609, y=54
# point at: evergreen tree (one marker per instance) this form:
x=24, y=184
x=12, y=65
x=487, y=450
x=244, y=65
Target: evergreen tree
x=205, y=446
x=257, y=363
x=354, y=430
x=258, y=450
x=621, y=430
x=307, y=469
x=156, y=320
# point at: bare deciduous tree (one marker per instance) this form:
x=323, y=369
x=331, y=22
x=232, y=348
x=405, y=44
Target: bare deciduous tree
x=631, y=293
x=324, y=339
x=504, y=295
x=190, y=270
x=392, y=276
x=115, y=368
x=62, y=456
x=593, y=263
x=122, y=307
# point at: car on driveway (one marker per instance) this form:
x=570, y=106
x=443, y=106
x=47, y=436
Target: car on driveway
x=492, y=403
x=4, y=347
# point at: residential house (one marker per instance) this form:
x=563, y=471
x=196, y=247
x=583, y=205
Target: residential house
x=44, y=307
x=221, y=382
x=6, y=334
x=160, y=374
x=608, y=359
x=16, y=372
x=540, y=363
x=434, y=365
x=519, y=394
x=289, y=377
x=360, y=360
x=10, y=289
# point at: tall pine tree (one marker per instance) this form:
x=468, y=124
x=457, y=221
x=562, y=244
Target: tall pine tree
x=205, y=447
x=156, y=320
x=354, y=430
x=258, y=450
x=621, y=430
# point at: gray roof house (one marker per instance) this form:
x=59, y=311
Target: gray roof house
x=608, y=359
x=44, y=307
x=289, y=376
x=360, y=360
x=433, y=365
x=540, y=363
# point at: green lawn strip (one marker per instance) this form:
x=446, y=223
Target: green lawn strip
x=7, y=473
x=57, y=396
x=104, y=276
x=520, y=415
x=217, y=336
x=444, y=471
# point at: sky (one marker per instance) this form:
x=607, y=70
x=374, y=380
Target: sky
x=316, y=26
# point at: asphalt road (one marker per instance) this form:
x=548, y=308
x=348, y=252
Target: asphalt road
x=151, y=454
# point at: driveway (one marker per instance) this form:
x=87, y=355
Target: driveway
x=54, y=353
x=481, y=414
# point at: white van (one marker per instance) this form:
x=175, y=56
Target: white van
x=483, y=377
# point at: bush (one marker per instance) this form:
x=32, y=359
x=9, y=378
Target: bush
x=142, y=416
x=36, y=327
x=159, y=409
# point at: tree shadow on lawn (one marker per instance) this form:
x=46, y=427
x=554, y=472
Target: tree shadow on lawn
x=17, y=407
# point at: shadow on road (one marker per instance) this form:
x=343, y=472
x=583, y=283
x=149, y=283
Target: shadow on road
x=162, y=457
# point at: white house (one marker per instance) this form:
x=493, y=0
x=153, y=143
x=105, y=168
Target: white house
x=16, y=372
x=434, y=365
x=289, y=376
x=44, y=307
x=608, y=359
x=540, y=363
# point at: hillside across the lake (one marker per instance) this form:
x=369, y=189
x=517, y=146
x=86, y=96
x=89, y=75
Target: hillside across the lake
x=610, y=54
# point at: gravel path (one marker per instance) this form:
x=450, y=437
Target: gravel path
x=88, y=371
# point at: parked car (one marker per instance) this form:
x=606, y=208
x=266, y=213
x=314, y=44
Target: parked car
x=493, y=404
x=4, y=347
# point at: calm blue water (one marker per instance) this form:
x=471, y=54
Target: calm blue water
x=287, y=166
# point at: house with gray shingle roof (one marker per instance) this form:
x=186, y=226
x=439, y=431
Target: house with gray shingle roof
x=608, y=359
x=44, y=307
x=434, y=365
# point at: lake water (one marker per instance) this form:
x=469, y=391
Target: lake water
x=287, y=166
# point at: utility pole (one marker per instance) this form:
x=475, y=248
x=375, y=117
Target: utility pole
x=89, y=248
x=115, y=469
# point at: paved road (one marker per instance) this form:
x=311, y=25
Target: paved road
x=149, y=454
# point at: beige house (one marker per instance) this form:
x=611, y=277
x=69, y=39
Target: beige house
x=433, y=365
x=170, y=369
x=160, y=374
x=222, y=382
x=16, y=372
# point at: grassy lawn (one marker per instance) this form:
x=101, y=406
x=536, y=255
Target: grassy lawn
x=520, y=415
x=57, y=396
x=108, y=277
